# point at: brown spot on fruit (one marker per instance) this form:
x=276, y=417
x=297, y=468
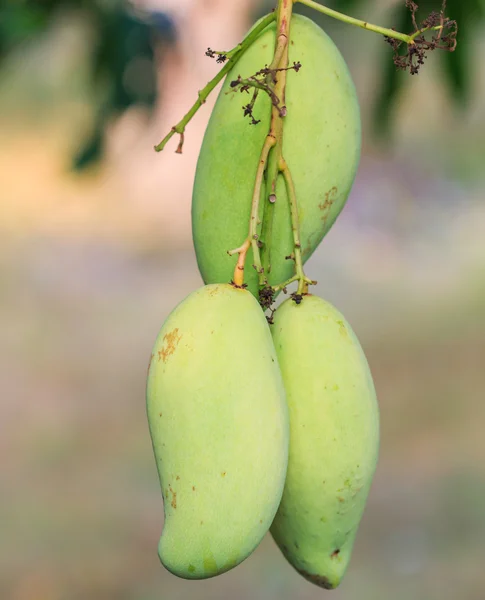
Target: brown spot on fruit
x=193, y=488
x=326, y=205
x=342, y=328
x=174, y=497
x=340, y=499
x=150, y=363
x=177, y=478
x=170, y=341
x=319, y=580
x=223, y=474
x=335, y=553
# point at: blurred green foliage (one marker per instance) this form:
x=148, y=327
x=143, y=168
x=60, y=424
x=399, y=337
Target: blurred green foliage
x=122, y=69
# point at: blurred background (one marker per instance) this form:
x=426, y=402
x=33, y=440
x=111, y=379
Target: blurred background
x=95, y=250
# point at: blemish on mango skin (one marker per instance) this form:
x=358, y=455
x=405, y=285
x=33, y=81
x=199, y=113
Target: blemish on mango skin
x=174, y=497
x=342, y=328
x=319, y=580
x=215, y=289
x=307, y=250
x=223, y=474
x=171, y=341
x=150, y=363
x=325, y=206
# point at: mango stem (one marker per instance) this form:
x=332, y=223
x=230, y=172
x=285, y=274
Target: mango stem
x=390, y=33
x=269, y=142
x=238, y=278
x=232, y=57
x=303, y=280
x=274, y=140
x=280, y=61
x=268, y=212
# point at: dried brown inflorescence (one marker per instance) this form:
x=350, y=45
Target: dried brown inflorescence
x=443, y=38
x=265, y=79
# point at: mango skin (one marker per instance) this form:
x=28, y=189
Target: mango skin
x=334, y=438
x=219, y=426
x=322, y=140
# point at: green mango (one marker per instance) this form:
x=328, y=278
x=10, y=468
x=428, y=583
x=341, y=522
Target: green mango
x=322, y=139
x=219, y=426
x=334, y=438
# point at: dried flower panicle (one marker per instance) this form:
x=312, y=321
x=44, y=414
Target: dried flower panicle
x=220, y=56
x=264, y=80
x=266, y=297
x=443, y=38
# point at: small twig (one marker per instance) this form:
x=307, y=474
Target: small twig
x=264, y=80
x=303, y=280
x=352, y=21
x=238, y=280
x=231, y=59
x=417, y=44
x=253, y=239
x=248, y=109
x=268, y=210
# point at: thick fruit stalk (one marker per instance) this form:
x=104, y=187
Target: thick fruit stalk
x=321, y=145
x=334, y=438
x=219, y=426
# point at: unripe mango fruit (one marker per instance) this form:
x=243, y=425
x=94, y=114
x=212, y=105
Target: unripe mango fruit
x=321, y=144
x=219, y=426
x=334, y=438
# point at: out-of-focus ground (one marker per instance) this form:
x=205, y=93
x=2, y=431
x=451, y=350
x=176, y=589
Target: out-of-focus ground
x=88, y=272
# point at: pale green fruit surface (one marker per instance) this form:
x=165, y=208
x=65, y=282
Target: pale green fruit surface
x=334, y=438
x=219, y=426
x=322, y=138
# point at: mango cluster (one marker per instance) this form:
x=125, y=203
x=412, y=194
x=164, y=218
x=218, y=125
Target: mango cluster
x=265, y=425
